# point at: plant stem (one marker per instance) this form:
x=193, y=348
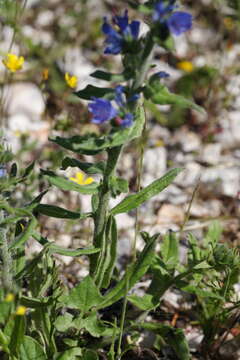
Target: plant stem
x=101, y=213
x=113, y=156
x=6, y=258
x=122, y=321
x=146, y=59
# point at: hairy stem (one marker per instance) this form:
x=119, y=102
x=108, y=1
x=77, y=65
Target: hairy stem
x=102, y=210
x=146, y=59
x=6, y=258
x=113, y=156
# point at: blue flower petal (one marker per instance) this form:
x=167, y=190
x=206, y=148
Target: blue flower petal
x=3, y=171
x=121, y=21
x=119, y=91
x=162, y=74
x=134, y=28
x=102, y=110
x=127, y=121
x=179, y=22
x=161, y=10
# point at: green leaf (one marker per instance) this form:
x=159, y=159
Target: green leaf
x=201, y=292
x=30, y=349
x=91, y=91
x=177, y=339
x=144, y=302
x=170, y=250
x=92, y=144
x=56, y=249
x=17, y=334
x=213, y=235
x=132, y=275
x=84, y=296
x=159, y=94
x=25, y=235
x=103, y=75
x=88, y=168
x=133, y=201
x=108, y=256
x=64, y=322
x=29, y=169
x=172, y=336
x=118, y=186
x=94, y=326
x=70, y=354
x=90, y=355
x=56, y=212
x=67, y=185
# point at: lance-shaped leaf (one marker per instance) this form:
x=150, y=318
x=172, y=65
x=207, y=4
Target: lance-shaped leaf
x=68, y=185
x=88, y=168
x=57, y=212
x=91, y=91
x=132, y=275
x=25, y=235
x=93, y=144
x=103, y=75
x=133, y=201
x=56, y=249
x=162, y=96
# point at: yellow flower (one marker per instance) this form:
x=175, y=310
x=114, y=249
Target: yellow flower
x=13, y=62
x=71, y=80
x=45, y=74
x=80, y=179
x=9, y=297
x=186, y=66
x=229, y=23
x=21, y=310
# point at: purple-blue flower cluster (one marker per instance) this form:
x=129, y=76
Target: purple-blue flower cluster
x=102, y=109
x=122, y=32
x=3, y=171
x=177, y=22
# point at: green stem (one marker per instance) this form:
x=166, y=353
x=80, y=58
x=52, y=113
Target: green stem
x=7, y=280
x=101, y=213
x=122, y=321
x=113, y=155
x=146, y=59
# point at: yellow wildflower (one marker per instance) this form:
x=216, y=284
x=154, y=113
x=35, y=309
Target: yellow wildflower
x=13, y=62
x=45, y=74
x=186, y=66
x=9, y=297
x=159, y=143
x=229, y=23
x=21, y=310
x=71, y=80
x=80, y=179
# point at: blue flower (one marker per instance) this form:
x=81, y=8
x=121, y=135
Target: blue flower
x=161, y=10
x=119, y=98
x=162, y=74
x=126, y=31
x=127, y=121
x=102, y=110
x=3, y=171
x=179, y=22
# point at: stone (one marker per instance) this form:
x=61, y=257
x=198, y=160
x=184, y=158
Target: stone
x=169, y=214
x=211, y=153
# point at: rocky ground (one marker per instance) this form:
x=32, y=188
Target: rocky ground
x=65, y=36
